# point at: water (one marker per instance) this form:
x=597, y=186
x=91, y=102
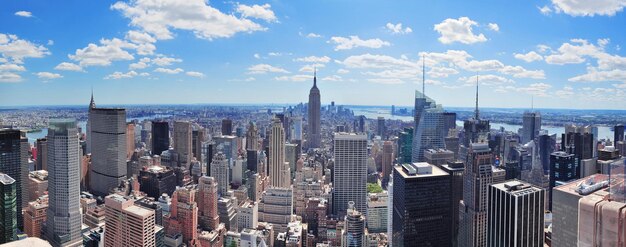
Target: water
x=33, y=136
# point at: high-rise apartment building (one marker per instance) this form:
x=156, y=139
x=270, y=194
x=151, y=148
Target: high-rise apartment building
x=314, y=128
x=108, y=149
x=477, y=177
x=160, y=137
x=14, y=163
x=421, y=205
x=63, y=224
x=515, y=216
x=350, y=172
x=207, y=203
x=128, y=224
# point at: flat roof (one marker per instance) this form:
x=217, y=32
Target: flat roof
x=436, y=171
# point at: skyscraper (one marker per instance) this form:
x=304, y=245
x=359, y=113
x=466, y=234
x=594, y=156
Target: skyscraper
x=476, y=180
x=354, y=232
x=314, y=128
x=252, y=137
x=182, y=142
x=618, y=133
x=160, y=137
x=276, y=207
x=128, y=224
x=350, y=172
x=476, y=129
x=421, y=206
x=280, y=173
x=155, y=180
x=35, y=216
x=531, y=125
x=207, y=203
x=130, y=139
x=564, y=167
x=8, y=209
x=42, y=154
x=515, y=215
x=183, y=217
x=14, y=163
x=381, y=130
x=63, y=224
x=108, y=149
x=220, y=171
x=387, y=161
x=227, y=127
x=429, y=129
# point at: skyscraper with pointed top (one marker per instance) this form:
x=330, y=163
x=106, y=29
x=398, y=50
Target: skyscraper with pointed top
x=314, y=123
x=475, y=128
x=429, y=131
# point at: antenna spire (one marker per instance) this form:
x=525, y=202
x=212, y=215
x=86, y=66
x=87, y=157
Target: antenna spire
x=476, y=110
x=314, y=76
x=424, y=76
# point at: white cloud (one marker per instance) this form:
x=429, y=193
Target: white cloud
x=332, y=78
x=343, y=43
x=141, y=64
x=169, y=71
x=195, y=74
x=11, y=67
x=24, y=14
x=265, y=68
x=9, y=77
x=494, y=27
x=529, y=57
x=313, y=35
x=536, y=89
x=595, y=75
x=484, y=65
x=389, y=81
x=17, y=49
x=160, y=17
x=589, y=8
x=450, y=57
x=441, y=72
x=396, y=74
x=250, y=79
x=68, y=67
x=139, y=37
x=311, y=67
x=262, y=12
x=50, y=42
x=119, y=75
x=487, y=80
x=545, y=10
x=398, y=29
x=104, y=54
x=520, y=72
x=458, y=30
x=369, y=61
x=573, y=52
x=48, y=75
x=295, y=78
x=343, y=71
x=566, y=92
x=257, y=56
x=165, y=61
x=313, y=59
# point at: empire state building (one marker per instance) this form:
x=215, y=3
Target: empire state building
x=314, y=129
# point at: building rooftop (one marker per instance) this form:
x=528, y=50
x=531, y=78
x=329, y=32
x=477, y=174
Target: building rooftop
x=516, y=187
x=419, y=169
x=6, y=179
x=571, y=187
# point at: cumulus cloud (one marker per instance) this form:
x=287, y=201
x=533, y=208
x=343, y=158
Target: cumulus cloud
x=441, y=72
x=398, y=29
x=17, y=49
x=520, y=72
x=494, y=27
x=24, y=14
x=294, y=78
x=343, y=43
x=68, y=67
x=265, y=68
x=536, y=89
x=528, y=57
x=10, y=77
x=11, y=67
x=390, y=81
x=458, y=30
x=589, y=8
x=369, y=61
x=313, y=59
x=311, y=67
x=48, y=75
x=566, y=92
x=195, y=74
x=487, y=80
x=119, y=75
x=162, y=60
x=141, y=64
x=545, y=10
x=104, y=54
x=343, y=71
x=160, y=17
x=332, y=78
x=313, y=35
x=169, y=71
x=262, y=12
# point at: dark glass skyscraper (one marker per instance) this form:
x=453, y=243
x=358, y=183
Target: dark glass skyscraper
x=422, y=213
x=14, y=163
x=8, y=209
x=160, y=137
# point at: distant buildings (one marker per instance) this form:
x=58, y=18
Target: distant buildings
x=350, y=172
x=63, y=224
x=421, y=206
x=515, y=217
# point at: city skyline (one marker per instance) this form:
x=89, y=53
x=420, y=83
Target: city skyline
x=574, y=61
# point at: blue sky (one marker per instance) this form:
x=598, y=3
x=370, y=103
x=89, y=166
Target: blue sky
x=561, y=53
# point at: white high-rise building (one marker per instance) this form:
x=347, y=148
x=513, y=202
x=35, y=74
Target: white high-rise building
x=296, y=123
x=247, y=215
x=220, y=171
x=280, y=173
x=63, y=224
x=350, y=173
x=276, y=207
x=108, y=149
